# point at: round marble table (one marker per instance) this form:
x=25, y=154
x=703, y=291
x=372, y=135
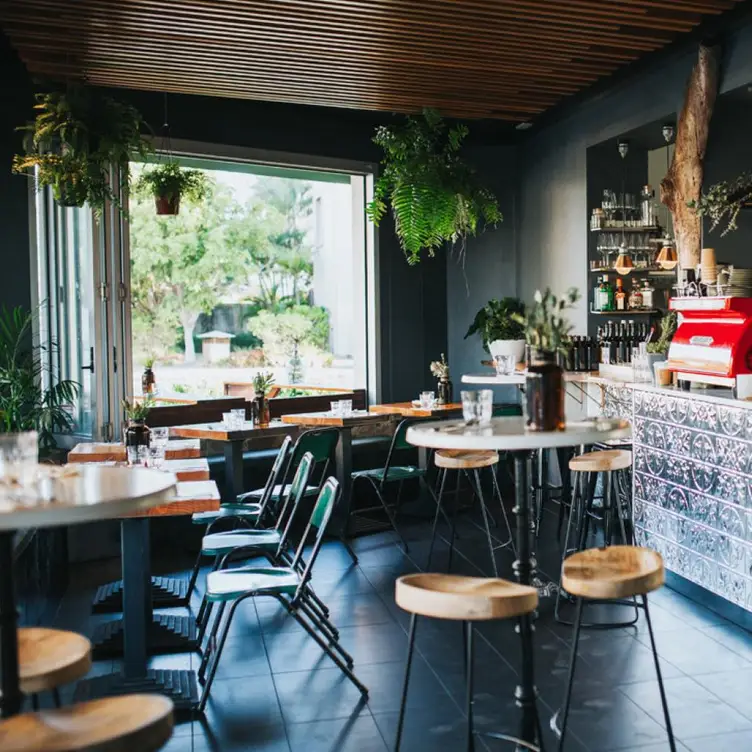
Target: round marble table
x=92, y=493
x=510, y=434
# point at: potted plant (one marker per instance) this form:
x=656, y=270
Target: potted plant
x=500, y=332
x=658, y=350
x=136, y=432
x=440, y=370
x=148, y=379
x=434, y=195
x=24, y=404
x=547, y=333
x=76, y=138
x=168, y=183
x=262, y=383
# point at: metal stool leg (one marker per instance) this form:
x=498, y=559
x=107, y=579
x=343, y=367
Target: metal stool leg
x=436, y=518
x=570, y=680
x=671, y=743
x=468, y=630
x=454, y=519
x=406, y=682
x=484, y=511
x=497, y=491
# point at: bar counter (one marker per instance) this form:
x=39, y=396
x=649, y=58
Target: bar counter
x=692, y=489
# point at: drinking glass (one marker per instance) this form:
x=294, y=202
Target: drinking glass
x=505, y=364
x=156, y=455
x=238, y=417
x=336, y=408
x=345, y=407
x=137, y=455
x=19, y=454
x=477, y=407
x=228, y=420
x=427, y=400
x=159, y=436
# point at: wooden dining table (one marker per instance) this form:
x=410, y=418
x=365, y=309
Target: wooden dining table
x=115, y=452
x=233, y=440
x=411, y=410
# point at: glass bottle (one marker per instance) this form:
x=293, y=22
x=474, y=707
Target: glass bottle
x=606, y=295
x=545, y=393
x=635, y=298
x=620, y=297
x=648, y=299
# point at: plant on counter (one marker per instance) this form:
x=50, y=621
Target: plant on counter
x=440, y=368
x=546, y=330
x=263, y=382
x=24, y=404
x=724, y=201
x=168, y=183
x=76, y=138
x=137, y=412
x=434, y=195
x=495, y=322
x=440, y=371
x=668, y=329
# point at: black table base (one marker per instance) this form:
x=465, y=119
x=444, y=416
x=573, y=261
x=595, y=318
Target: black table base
x=11, y=692
x=167, y=633
x=179, y=686
x=166, y=592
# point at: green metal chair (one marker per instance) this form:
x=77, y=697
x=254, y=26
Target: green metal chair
x=287, y=585
x=380, y=477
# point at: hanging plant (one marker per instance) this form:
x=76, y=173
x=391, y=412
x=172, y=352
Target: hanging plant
x=76, y=137
x=434, y=194
x=168, y=183
x=724, y=201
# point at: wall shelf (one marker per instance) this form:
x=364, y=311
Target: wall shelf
x=626, y=229
x=630, y=312
x=652, y=271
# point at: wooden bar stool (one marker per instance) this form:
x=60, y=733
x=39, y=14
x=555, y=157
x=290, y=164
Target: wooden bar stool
x=611, y=573
x=142, y=723
x=585, y=469
x=49, y=658
x=470, y=463
x=464, y=599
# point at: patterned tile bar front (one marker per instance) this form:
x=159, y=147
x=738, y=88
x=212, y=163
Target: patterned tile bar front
x=693, y=486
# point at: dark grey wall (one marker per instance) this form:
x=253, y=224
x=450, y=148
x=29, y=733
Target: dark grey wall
x=552, y=239
x=15, y=108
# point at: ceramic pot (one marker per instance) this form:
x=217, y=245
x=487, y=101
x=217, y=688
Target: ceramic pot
x=167, y=205
x=444, y=392
x=544, y=392
x=514, y=347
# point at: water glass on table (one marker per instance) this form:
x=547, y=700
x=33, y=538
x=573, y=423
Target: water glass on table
x=238, y=416
x=137, y=455
x=157, y=455
x=336, y=408
x=427, y=400
x=505, y=364
x=345, y=408
x=19, y=456
x=159, y=436
x=477, y=407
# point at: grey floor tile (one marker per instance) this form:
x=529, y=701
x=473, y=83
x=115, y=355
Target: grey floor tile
x=737, y=742
x=733, y=687
x=732, y=637
x=358, y=734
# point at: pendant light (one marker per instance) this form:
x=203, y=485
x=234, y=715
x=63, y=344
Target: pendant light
x=624, y=263
x=667, y=257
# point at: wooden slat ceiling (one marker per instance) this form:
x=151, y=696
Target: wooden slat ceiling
x=504, y=59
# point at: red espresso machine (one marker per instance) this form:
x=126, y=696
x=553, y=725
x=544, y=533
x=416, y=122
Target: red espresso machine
x=713, y=343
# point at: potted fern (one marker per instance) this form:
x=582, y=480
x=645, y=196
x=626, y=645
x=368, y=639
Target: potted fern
x=262, y=383
x=499, y=331
x=75, y=139
x=168, y=183
x=434, y=195
x=723, y=201
x=137, y=433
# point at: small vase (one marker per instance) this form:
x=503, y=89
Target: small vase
x=148, y=381
x=167, y=205
x=544, y=388
x=260, y=408
x=137, y=433
x=444, y=390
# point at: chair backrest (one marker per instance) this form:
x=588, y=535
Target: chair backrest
x=320, y=442
x=399, y=441
x=293, y=497
x=279, y=467
x=319, y=520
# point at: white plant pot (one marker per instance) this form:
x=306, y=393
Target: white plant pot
x=514, y=347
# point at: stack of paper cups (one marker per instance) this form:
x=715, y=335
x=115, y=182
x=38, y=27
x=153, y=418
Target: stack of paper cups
x=708, y=266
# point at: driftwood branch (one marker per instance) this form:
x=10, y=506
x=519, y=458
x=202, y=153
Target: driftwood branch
x=683, y=182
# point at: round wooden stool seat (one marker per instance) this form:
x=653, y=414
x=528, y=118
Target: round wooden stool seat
x=456, y=459
x=114, y=724
x=601, y=462
x=448, y=596
x=48, y=658
x=613, y=572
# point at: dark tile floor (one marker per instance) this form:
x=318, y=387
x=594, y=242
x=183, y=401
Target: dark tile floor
x=276, y=692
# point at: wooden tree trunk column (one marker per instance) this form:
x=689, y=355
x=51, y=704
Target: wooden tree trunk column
x=683, y=182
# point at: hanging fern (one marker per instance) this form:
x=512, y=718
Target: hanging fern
x=433, y=193
x=724, y=201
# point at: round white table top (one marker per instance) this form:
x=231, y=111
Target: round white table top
x=510, y=434
x=93, y=493
x=517, y=378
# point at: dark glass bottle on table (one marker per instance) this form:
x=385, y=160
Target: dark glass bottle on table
x=544, y=392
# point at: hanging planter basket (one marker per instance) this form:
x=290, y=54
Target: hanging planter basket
x=167, y=205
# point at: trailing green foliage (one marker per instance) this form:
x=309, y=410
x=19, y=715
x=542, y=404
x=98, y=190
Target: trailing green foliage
x=24, y=404
x=494, y=321
x=546, y=330
x=434, y=194
x=170, y=181
x=724, y=201
x=668, y=329
x=76, y=137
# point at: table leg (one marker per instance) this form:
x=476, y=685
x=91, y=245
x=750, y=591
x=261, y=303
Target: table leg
x=524, y=569
x=11, y=693
x=137, y=610
x=343, y=473
x=233, y=470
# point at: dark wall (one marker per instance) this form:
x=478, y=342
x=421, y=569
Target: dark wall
x=552, y=238
x=15, y=108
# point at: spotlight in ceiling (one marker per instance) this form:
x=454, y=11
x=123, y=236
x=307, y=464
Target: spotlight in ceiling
x=623, y=147
x=668, y=132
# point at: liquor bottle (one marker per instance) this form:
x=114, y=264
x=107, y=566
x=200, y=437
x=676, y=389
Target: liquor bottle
x=620, y=297
x=635, y=298
x=623, y=355
x=576, y=353
x=597, y=294
x=606, y=295
x=648, y=298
